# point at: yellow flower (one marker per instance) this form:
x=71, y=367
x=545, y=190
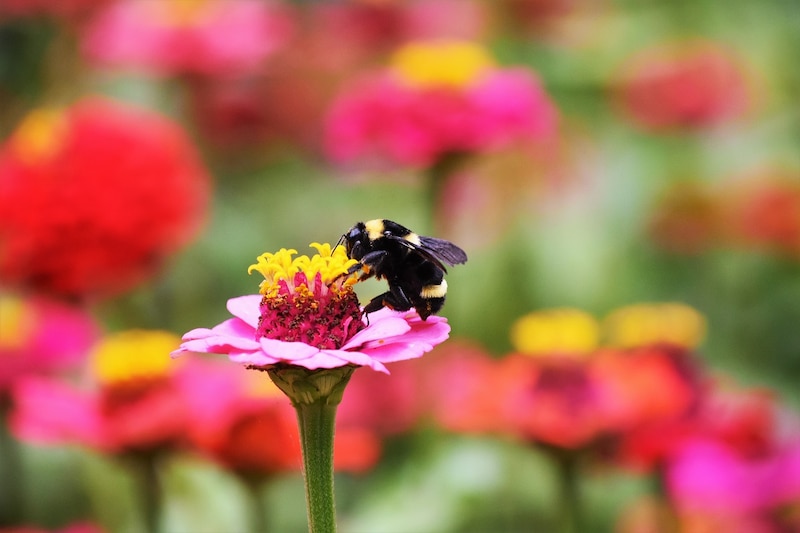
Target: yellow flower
x=134, y=354
x=562, y=331
x=444, y=63
x=643, y=324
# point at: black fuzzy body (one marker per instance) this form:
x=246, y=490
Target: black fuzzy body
x=412, y=265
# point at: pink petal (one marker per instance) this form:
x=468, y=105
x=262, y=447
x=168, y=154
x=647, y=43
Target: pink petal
x=232, y=336
x=287, y=351
x=356, y=358
x=398, y=351
x=247, y=308
x=50, y=412
x=381, y=327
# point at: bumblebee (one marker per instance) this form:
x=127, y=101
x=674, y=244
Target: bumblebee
x=413, y=265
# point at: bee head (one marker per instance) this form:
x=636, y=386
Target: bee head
x=356, y=241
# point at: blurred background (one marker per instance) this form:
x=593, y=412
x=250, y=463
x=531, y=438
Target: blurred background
x=624, y=175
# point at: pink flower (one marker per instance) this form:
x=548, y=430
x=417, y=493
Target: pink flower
x=208, y=38
x=683, y=85
x=134, y=402
x=40, y=336
x=388, y=337
x=438, y=99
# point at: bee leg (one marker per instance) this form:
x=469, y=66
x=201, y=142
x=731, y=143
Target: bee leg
x=376, y=304
x=398, y=299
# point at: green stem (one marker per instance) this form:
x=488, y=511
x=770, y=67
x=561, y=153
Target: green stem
x=316, y=421
x=570, y=497
x=11, y=474
x=254, y=485
x=145, y=468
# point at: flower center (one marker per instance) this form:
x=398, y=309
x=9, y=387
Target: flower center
x=568, y=332
x=179, y=13
x=17, y=323
x=441, y=63
x=134, y=355
x=643, y=324
x=308, y=299
x=40, y=136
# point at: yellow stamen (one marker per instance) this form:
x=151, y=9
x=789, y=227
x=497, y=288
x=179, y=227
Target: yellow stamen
x=444, y=63
x=17, y=322
x=40, y=136
x=643, y=324
x=328, y=262
x=555, y=332
x=134, y=354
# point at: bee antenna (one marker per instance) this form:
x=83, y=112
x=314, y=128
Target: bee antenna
x=339, y=242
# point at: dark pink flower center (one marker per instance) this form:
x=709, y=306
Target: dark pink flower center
x=325, y=317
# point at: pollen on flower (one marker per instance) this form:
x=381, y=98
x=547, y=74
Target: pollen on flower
x=40, y=135
x=134, y=355
x=281, y=268
x=643, y=324
x=443, y=63
x=556, y=332
x=308, y=299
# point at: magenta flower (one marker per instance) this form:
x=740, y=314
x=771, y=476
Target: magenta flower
x=134, y=402
x=436, y=100
x=333, y=336
x=40, y=336
x=181, y=37
x=742, y=461
x=307, y=330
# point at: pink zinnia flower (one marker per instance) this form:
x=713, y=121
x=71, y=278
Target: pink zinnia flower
x=436, y=100
x=212, y=37
x=132, y=404
x=742, y=461
x=308, y=316
x=40, y=336
x=307, y=330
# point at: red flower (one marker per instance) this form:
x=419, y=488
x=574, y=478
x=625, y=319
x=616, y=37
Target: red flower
x=240, y=419
x=764, y=212
x=686, y=84
x=95, y=197
x=385, y=404
x=63, y=9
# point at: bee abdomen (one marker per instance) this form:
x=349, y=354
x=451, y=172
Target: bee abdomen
x=438, y=290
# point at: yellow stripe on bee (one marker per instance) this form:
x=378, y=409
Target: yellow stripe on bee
x=413, y=238
x=434, y=291
x=374, y=228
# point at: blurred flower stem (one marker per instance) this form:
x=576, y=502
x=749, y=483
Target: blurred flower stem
x=254, y=484
x=315, y=395
x=437, y=176
x=145, y=468
x=11, y=473
x=570, y=504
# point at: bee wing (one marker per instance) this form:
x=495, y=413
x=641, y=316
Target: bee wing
x=438, y=251
x=442, y=250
